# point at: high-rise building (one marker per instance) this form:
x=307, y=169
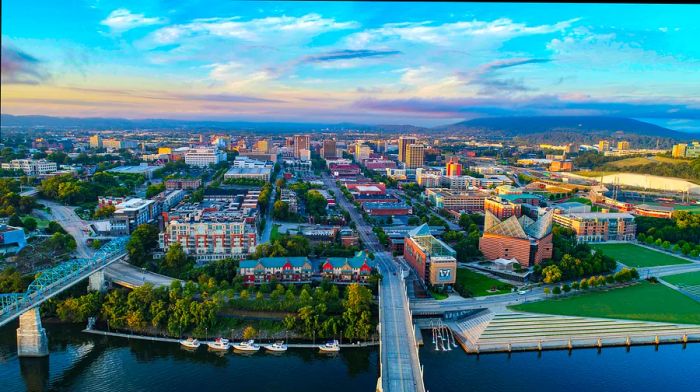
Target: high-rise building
x=261, y=146
x=96, y=141
x=404, y=142
x=603, y=145
x=329, y=149
x=301, y=142
x=684, y=150
x=415, y=155
x=361, y=152
x=453, y=168
x=623, y=145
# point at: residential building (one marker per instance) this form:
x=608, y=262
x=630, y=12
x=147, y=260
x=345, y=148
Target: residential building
x=362, y=152
x=468, y=201
x=379, y=164
x=434, y=261
x=623, y=145
x=261, y=146
x=183, y=183
x=404, y=142
x=415, y=156
x=348, y=237
x=31, y=167
x=131, y=213
x=387, y=209
x=342, y=269
x=524, y=239
x=169, y=198
x=290, y=197
x=279, y=269
x=603, y=146
x=599, y=226
x=209, y=233
x=686, y=150
x=204, y=156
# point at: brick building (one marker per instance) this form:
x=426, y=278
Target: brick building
x=433, y=260
x=524, y=239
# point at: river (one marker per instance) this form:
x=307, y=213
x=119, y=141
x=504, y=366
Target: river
x=83, y=362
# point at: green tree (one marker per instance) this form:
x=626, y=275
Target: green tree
x=29, y=224
x=551, y=274
x=175, y=260
x=249, y=333
x=143, y=240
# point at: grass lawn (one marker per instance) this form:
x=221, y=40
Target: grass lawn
x=591, y=173
x=694, y=209
x=438, y=296
x=275, y=232
x=479, y=285
x=633, y=255
x=686, y=279
x=644, y=301
x=636, y=161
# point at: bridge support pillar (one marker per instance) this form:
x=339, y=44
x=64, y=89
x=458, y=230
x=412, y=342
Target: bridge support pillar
x=31, y=336
x=97, y=281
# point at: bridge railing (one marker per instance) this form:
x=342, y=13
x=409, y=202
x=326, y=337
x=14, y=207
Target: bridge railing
x=54, y=279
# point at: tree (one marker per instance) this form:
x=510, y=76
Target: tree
x=316, y=203
x=175, y=261
x=104, y=211
x=154, y=189
x=141, y=243
x=54, y=227
x=280, y=210
x=546, y=291
x=96, y=244
x=556, y=290
x=249, y=333
x=29, y=224
x=15, y=221
x=551, y=274
x=566, y=288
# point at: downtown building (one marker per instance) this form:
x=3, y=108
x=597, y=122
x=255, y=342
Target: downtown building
x=599, y=226
x=524, y=239
x=434, y=262
x=31, y=167
x=467, y=201
x=204, y=156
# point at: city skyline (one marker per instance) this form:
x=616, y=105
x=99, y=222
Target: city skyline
x=422, y=64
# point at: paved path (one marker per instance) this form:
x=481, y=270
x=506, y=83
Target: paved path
x=400, y=365
x=71, y=222
x=269, y=223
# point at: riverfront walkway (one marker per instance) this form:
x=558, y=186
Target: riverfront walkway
x=511, y=331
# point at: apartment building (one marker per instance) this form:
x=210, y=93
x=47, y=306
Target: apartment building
x=204, y=156
x=599, y=226
x=469, y=201
x=31, y=167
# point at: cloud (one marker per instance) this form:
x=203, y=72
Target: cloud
x=455, y=33
x=348, y=55
x=19, y=67
x=486, y=76
x=121, y=20
x=272, y=29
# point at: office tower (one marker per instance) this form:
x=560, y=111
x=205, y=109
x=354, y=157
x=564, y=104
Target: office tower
x=301, y=142
x=329, y=149
x=404, y=142
x=96, y=141
x=415, y=155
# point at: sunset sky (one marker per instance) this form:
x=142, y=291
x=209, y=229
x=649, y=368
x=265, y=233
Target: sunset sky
x=400, y=63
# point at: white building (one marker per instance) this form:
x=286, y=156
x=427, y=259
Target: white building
x=204, y=156
x=31, y=167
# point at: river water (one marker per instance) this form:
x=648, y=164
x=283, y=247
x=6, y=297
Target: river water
x=83, y=362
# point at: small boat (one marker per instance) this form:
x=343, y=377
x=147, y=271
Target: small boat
x=190, y=343
x=330, y=347
x=246, y=346
x=276, y=347
x=219, y=344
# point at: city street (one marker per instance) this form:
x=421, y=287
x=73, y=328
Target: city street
x=71, y=222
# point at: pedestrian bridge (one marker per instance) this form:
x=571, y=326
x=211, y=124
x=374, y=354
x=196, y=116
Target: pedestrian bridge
x=53, y=281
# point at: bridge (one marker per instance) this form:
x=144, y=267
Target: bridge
x=400, y=368
x=31, y=337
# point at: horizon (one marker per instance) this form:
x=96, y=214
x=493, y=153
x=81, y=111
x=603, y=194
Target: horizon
x=425, y=65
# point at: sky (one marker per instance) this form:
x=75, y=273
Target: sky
x=376, y=63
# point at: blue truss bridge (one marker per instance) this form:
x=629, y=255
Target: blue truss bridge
x=53, y=281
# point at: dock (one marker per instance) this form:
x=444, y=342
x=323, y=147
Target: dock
x=177, y=341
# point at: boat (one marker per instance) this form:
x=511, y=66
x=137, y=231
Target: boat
x=330, y=347
x=278, y=346
x=246, y=346
x=190, y=343
x=219, y=344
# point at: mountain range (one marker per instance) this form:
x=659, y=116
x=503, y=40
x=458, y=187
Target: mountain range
x=531, y=128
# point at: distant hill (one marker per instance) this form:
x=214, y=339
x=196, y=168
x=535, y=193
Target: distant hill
x=516, y=126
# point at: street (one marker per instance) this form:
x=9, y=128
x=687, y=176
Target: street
x=71, y=223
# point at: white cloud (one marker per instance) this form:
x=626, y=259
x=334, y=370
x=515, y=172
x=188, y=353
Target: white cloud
x=122, y=19
x=238, y=76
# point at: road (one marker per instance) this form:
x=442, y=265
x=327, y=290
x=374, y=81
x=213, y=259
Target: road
x=400, y=365
x=269, y=223
x=128, y=275
x=71, y=222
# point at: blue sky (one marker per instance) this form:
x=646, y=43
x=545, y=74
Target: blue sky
x=406, y=63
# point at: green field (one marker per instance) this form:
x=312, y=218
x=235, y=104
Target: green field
x=636, y=161
x=636, y=256
x=686, y=279
x=643, y=301
x=479, y=285
x=695, y=209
